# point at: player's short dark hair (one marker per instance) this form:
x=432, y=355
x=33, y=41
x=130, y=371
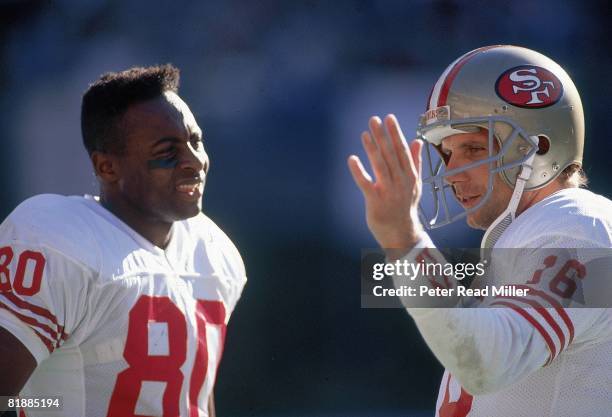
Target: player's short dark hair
x=106, y=101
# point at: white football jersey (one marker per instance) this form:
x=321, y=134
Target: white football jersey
x=118, y=326
x=536, y=354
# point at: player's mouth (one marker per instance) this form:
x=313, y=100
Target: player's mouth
x=469, y=201
x=190, y=189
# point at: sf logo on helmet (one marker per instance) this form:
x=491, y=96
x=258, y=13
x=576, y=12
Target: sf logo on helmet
x=529, y=86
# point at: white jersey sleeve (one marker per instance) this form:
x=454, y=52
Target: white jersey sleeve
x=43, y=292
x=513, y=346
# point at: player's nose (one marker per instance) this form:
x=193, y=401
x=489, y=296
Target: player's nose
x=459, y=176
x=194, y=159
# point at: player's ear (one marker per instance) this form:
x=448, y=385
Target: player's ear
x=105, y=166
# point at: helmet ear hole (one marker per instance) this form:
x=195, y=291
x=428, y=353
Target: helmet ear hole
x=543, y=145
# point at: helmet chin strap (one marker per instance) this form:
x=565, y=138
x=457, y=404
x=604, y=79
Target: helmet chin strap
x=495, y=230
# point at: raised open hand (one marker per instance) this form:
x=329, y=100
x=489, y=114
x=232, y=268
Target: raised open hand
x=392, y=198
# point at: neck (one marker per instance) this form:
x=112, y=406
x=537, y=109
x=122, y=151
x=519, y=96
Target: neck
x=155, y=231
x=530, y=198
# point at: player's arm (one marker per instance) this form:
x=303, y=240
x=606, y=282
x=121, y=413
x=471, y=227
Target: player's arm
x=16, y=364
x=42, y=297
x=514, y=335
x=485, y=349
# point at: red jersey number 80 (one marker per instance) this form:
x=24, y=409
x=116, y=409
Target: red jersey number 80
x=31, y=261
x=164, y=368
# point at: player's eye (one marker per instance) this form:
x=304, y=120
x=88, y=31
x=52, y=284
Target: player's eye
x=197, y=144
x=445, y=154
x=476, y=149
x=166, y=153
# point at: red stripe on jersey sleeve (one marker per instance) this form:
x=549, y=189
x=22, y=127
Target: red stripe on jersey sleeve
x=59, y=334
x=542, y=311
x=556, y=305
x=31, y=307
x=32, y=323
x=534, y=323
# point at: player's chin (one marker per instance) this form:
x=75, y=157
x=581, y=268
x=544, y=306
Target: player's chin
x=475, y=222
x=186, y=210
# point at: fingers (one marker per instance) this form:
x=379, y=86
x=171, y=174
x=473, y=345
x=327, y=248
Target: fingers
x=360, y=175
x=385, y=146
x=391, y=159
x=416, y=147
x=399, y=143
x=409, y=156
x=378, y=163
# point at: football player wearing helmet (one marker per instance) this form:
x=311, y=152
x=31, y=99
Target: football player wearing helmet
x=501, y=145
